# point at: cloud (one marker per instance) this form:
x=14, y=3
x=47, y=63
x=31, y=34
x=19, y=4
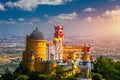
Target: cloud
x=29, y=5
x=63, y=18
x=112, y=15
x=106, y=23
x=10, y=4
x=35, y=20
x=11, y=19
x=21, y=19
x=7, y=22
x=89, y=9
x=109, y=16
x=69, y=16
x=88, y=19
x=46, y=16
x=2, y=8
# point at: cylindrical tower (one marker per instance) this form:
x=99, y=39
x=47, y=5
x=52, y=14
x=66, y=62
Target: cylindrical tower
x=86, y=55
x=35, y=50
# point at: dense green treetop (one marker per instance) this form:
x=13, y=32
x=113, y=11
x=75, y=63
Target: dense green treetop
x=106, y=69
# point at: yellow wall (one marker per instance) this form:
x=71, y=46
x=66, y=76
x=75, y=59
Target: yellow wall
x=69, y=51
x=35, y=52
x=38, y=47
x=30, y=66
x=72, y=56
x=86, y=57
x=45, y=66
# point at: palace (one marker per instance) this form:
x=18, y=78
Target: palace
x=41, y=55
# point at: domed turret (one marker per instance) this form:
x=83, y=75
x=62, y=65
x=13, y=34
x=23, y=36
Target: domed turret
x=35, y=50
x=37, y=35
x=60, y=39
x=55, y=40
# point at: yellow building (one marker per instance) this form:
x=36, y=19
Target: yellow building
x=35, y=51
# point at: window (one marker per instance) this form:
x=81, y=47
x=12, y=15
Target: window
x=43, y=43
x=36, y=44
x=36, y=52
x=31, y=52
x=30, y=60
x=60, y=30
x=42, y=51
x=56, y=30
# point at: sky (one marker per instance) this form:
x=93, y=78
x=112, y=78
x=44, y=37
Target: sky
x=79, y=17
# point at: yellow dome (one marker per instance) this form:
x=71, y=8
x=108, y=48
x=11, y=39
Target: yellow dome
x=60, y=39
x=55, y=39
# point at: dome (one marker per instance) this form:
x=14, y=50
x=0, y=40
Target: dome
x=55, y=39
x=60, y=39
x=37, y=35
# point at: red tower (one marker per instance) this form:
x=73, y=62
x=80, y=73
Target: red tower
x=86, y=48
x=59, y=32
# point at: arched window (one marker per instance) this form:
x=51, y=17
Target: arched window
x=31, y=52
x=36, y=44
x=36, y=52
x=42, y=51
x=42, y=43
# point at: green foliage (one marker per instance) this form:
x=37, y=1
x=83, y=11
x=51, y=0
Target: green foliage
x=107, y=69
x=33, y=75
x=45, y=77
x=9, y=77
x=60, y=74
x=71, y=78
x=97, y=76
x=22, y=77
x=80, y=74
